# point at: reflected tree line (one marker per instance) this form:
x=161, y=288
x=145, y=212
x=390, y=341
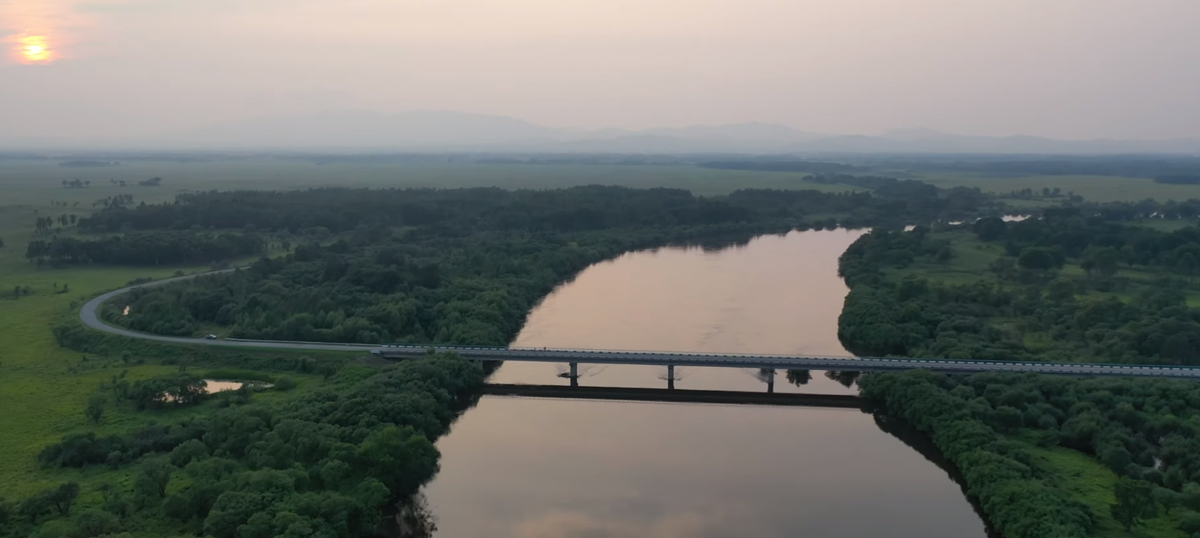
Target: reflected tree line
x=802, y=377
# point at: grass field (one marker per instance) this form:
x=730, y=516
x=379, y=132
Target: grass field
x=973, y=257
x=31, y=181
x=1092, y=483
x=44, y=388
x=1091, y=188
x=969, y=264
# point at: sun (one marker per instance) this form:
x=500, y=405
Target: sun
x=34, y=49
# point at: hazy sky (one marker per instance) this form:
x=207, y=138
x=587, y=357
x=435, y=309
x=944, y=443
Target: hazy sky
x=1061, y=68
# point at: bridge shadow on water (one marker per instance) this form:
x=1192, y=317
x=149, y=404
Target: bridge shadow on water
x=627, y=394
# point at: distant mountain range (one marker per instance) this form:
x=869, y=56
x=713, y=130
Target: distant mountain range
x=440, y=131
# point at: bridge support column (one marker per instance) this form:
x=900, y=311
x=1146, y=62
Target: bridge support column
x=671, y=377
x=574, y=374
x=770, y=374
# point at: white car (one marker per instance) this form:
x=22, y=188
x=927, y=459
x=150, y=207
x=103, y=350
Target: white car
x=210, y=337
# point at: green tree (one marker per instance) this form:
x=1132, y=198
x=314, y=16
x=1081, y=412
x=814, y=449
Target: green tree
x=1037, y=259
x=95, y=522
x=58, y=528
x=64, y=496
x=1003, y=267
x=1190, y=523
x=35, y=506
x=1101, y=261
x=990, y=228
x=152, y=478
x=399, y=457
x=1188, y=265
x=114, y=500
x=1135, y=502
x=944, y=255
x=95, y=407
x=188, y=452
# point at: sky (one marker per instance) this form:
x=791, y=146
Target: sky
x=1072, y=69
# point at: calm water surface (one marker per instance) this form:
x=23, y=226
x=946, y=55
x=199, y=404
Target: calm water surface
x=528, y=468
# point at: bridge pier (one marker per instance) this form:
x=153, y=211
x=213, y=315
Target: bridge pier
x=770, y=374
x=574, y=374
x=670, y=377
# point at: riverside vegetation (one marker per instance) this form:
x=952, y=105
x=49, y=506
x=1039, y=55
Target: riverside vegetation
x=329, y=457
x=1074, y=285
x=464, y=266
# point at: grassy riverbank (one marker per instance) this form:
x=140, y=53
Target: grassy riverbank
x=44, y=388
x=1092, y=483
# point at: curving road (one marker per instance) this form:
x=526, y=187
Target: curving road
x=88, y=315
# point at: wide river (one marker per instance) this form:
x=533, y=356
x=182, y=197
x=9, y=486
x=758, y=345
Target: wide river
x=530, y=468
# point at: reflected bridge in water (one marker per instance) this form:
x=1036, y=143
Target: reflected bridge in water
x=628, y=394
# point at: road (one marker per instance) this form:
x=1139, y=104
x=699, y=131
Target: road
x=88, y=315
x=782, y=362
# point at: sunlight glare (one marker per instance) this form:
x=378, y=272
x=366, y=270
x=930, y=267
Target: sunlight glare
x=34, y=49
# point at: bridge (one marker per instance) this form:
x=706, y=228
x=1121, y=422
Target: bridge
x=573, y=357
x=770, y=363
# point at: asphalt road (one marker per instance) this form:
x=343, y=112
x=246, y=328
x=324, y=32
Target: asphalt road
x=89, y=316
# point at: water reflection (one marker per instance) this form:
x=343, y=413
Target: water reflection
x=532, y=468
x=775, y=294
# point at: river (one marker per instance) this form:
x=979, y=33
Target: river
x=529, y=468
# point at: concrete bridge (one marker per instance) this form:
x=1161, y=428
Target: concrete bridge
x=770, y=363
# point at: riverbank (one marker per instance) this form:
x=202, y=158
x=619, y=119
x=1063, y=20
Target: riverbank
x=964, y=292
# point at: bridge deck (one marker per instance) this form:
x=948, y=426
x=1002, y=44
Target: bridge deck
x=866, y=364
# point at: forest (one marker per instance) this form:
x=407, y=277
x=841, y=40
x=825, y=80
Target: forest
x=1075, y=284
x=578, y=209
x=1030, y=308
x=465, y=267
x=457, y=267
x=146, y=249
x=326, y=465
x=988, y=425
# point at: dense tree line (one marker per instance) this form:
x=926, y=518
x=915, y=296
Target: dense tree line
x=146, y=248
x=1147, y=431
x=994, y=319
x=1116, y=165
x=450, y=266
x=771, y=165
x=325, y=465
x=999, y=474
x=567, y=210
x=1179, y=179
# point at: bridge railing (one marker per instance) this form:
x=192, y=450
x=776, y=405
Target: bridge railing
x=500, y=350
